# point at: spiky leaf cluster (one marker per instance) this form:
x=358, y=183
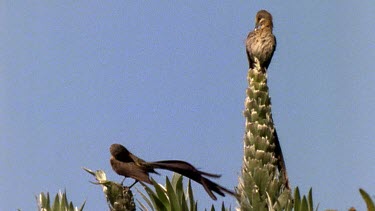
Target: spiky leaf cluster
x=261, y=186
x=60, y=203
x=171, y=197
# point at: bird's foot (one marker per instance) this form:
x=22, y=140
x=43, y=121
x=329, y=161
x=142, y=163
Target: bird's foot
x=133, y=184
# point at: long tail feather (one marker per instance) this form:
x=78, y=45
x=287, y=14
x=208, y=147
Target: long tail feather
x=181, y=167
x=188, y=170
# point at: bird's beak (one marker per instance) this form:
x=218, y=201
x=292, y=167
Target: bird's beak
x=257, y=24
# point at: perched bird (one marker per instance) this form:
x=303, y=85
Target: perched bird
x=126, y=164
x=261, y=43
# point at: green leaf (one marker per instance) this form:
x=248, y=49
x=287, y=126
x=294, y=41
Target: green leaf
x=297, y=200
x=161, y=193
x=304, y=206
x=83, y=205
x=157, y=203
x=178, y=187
x=60, y=202
x=174, y=205
x=369, y=203
x=190, y=196
x=310, y=200
x=56, y=203
x=212, y=208
x=143, y=207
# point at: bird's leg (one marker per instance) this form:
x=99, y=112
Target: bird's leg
x=122, y=182
x=135, y=182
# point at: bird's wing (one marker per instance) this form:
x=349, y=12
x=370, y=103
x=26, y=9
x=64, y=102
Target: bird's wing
x=249, y=41
x=130, y=169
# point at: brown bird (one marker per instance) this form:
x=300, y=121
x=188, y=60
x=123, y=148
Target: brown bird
x=126, y=164
x=261, y=43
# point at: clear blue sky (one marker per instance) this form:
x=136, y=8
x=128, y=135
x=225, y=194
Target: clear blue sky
x=168, y=80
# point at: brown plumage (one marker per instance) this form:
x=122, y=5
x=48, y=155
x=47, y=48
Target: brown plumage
x=126, y=164
x=261, y=43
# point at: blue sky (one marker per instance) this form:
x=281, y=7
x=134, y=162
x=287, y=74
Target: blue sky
x=168, y=80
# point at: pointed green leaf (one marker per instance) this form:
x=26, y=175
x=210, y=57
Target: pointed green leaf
x=160, y=192
x=212, y=208
x=297, y=199
x=174, y=203
x=157, y=203
x=143, y=207
x=304, y=205
x=56, y=203
x=147, y=199
x=82, y=206
x=178, y=187
x=369, y=203
x=222, y=206
x=310, y=200
x=190, y=196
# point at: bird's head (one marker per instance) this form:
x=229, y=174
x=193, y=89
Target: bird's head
x=263, y=19
x=118, y=151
